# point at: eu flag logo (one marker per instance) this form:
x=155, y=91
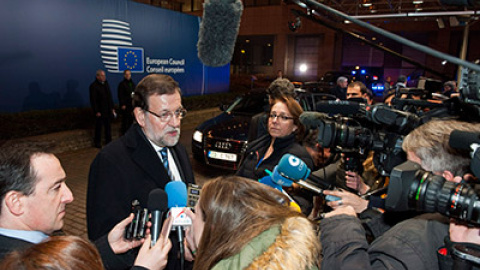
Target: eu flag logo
x=130, y=58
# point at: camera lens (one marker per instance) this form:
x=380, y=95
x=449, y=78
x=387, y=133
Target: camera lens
x=432, y=193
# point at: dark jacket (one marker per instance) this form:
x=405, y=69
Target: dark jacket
x=126, y=170
x=339, y=92
x=125, y=90
x=411, y=244
x=256, y=150
x=101, y=98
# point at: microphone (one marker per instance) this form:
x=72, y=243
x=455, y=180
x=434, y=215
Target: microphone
x=267, y=180
x=464, y=140
x=177, y=201
x=218, y=31
x=157, y=205
x=292, y=169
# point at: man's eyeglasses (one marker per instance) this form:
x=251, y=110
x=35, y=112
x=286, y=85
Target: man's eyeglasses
x=167, y=115
x=280, y=117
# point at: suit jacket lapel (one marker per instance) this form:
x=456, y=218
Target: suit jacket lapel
x=146, y=158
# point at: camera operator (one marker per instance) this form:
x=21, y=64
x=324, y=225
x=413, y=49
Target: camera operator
x=364, y=176
x=415, y=243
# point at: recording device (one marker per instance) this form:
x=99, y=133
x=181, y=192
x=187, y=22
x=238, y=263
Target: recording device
x=218, y=31
x=411, y=188
x=193, y=192
x=377, y=128
x=158, y=205
x=137, y=228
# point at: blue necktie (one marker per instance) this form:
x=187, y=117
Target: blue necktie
x=164, y=154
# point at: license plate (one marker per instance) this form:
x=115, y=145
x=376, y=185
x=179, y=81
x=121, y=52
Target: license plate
x=222, y=156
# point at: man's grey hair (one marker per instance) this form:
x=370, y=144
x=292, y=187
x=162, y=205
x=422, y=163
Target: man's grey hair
x=430, y=143
x=341, y=79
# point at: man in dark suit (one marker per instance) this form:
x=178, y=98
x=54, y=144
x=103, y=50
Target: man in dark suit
x=125, y=91
x=130, y=167
x=34, y=196
x=102, y=106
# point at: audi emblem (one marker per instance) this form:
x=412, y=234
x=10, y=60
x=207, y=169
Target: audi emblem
x=223, y=145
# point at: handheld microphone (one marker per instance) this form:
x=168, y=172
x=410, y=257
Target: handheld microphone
x=218, y=31
x=157, y=205
x=267, y=180
x=177, y=201
x=292, y=169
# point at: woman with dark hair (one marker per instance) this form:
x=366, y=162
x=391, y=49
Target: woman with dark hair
x=241, y=224
x=285, y=131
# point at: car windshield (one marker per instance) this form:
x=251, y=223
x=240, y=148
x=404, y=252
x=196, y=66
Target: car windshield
x=249, y=104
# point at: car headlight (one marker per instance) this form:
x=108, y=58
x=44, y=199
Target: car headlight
x=198, y=136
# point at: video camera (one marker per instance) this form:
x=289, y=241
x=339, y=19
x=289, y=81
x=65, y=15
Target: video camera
x=411, y=188
x=369, y=127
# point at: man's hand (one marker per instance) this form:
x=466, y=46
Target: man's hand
x=355, y=181
x=342, y=210
x=460, y=232
x=116, y=238
x=155, y=258
x=347, y=198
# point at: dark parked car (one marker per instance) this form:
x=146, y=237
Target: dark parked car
x=222, y=140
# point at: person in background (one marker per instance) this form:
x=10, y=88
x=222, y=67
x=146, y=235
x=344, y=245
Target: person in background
x=401, y=82
x=340, y=90
x=240, y=224
x=102, y=106
x=358, y=90
x=126, y=89
x=258, y=123
x=279, y=74
x=449, y=88
x=284, y=134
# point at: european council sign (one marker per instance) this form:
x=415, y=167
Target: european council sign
x=130, y=58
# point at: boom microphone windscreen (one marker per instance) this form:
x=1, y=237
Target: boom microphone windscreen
x=218, y=31
x=463, y=139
